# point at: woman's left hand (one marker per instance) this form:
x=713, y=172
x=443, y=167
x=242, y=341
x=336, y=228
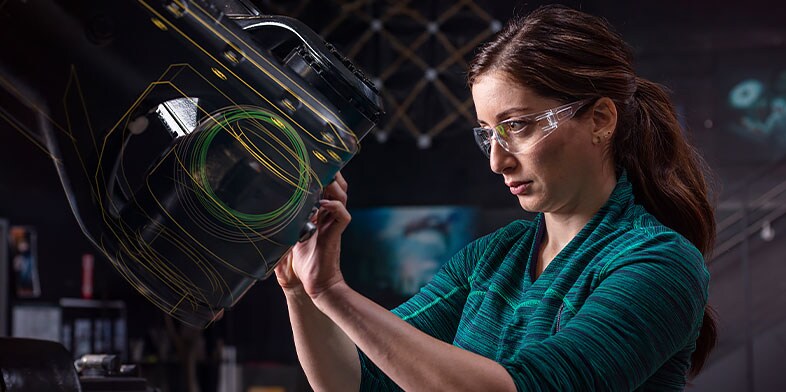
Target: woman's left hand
x=315, y=262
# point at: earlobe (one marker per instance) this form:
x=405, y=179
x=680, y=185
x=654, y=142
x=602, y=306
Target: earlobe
x=604, y=117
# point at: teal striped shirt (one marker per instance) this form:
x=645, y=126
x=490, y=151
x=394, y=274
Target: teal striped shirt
x=618, y=309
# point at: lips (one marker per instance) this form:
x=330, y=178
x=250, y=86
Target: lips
x=518, y=187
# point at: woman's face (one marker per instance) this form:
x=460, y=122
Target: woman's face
x=555, y=174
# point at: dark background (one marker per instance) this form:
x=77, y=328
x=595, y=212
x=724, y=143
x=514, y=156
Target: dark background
x=698, y=49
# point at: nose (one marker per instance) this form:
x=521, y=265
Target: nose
x=500, y=159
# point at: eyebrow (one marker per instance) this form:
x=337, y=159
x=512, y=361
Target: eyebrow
x=508, y=113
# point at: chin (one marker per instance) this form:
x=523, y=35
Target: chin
x=529, y=204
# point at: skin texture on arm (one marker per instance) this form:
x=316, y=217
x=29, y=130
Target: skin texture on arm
x=411, y=358
x=327, y=355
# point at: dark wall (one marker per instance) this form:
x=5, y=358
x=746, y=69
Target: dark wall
x=686, y=46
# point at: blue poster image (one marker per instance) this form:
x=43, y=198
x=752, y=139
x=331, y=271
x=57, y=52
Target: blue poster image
x=758, y=107
x=395, y=251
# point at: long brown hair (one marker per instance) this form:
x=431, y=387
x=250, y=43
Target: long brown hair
x=568, y=55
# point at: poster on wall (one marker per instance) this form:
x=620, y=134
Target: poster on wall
x=23, y=258
x=390, y=253
x=752, y=105
x=759, y=103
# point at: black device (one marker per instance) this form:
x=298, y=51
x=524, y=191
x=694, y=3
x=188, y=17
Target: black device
x=42, y=365
x=192, y=143
x=104, y=373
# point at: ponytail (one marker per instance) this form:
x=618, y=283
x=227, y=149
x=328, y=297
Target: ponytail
x=667, y=175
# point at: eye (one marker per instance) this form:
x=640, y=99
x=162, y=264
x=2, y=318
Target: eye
x=512, y=127
x=515, y=125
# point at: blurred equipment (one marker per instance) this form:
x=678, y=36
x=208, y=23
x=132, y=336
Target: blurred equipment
x=101, y=373
x=42, y=365
x=192, y=141
x=36, y=365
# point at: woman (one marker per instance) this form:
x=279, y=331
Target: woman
x=605, y=290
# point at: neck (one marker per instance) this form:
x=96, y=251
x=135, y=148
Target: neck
x=563, y=225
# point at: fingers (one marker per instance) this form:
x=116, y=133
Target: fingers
x=336, y=190
x=332, y=216
x=341, y=181
x=333, y=211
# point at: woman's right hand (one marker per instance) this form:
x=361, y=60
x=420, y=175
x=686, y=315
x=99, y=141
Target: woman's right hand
x=312, y=266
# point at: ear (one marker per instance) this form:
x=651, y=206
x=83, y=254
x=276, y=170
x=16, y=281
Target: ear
x=604, y=118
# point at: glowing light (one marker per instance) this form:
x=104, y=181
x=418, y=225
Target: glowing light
x=431, y=74
x=424, y=141
x=288, y=104
x=320, y=156
x=745, y=94
x=278, y=123
x=382, y=136
x=328, y=137
x=495, y=26
x=161, y=26
x=218, y=73
x=175, y=9
x=231, y=56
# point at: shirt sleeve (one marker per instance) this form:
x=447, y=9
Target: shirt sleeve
x=647, y=307
x=436, y=309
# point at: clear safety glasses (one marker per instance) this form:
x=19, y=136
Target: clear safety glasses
x=521, y=133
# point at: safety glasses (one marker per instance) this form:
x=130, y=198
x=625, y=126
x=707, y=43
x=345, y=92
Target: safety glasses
x=521, y=133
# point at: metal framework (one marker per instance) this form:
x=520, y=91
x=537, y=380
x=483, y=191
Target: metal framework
x=446, y=34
